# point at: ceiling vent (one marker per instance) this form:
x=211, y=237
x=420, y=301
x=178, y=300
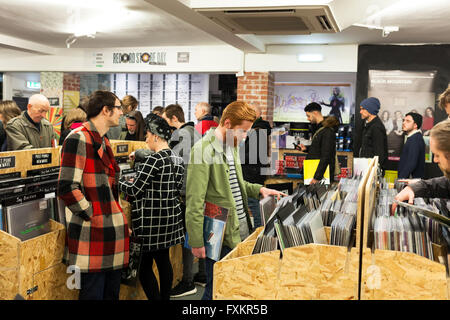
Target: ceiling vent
x=274, y=21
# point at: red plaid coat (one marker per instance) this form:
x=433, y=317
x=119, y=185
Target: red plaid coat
x=97, y=230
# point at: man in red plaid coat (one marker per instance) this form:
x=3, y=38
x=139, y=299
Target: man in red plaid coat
x=97, y=230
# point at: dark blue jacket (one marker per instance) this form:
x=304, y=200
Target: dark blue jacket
x=412, y=160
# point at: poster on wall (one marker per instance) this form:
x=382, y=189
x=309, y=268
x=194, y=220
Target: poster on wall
x=55, y=115
x=71, y=100
x=290, y=100
x=401, y=92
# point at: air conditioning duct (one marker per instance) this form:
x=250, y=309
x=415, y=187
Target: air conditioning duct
x=274, y=21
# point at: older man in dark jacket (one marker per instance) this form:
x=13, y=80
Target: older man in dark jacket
x=374, y=139
x=323, y=144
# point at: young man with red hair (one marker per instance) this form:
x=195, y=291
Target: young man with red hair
x=215, y=176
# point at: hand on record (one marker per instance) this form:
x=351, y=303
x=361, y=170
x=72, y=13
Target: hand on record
x=302, y=147
x=314, y=181
x=199, y=252
x=132, y=156
x=406, y=194
x=265, y=192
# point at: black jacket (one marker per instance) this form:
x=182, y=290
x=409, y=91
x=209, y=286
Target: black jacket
x=253, y=155
x=374, y=142
x=432, y=188
x=412, y=160
x=323, y=147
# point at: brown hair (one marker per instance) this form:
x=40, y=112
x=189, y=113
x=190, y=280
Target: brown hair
x=9, y=110
x=140, y=124
x=158, y=110
x=74, y=115
x=97, y=100
x=444, y=98
x=237, y=112
x=174, y=110
x=129, y=103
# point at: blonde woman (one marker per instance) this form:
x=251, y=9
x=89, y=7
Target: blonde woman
x=8, y=110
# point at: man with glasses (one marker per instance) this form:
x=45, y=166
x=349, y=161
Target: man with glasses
x=31, y=129
x=97, y=230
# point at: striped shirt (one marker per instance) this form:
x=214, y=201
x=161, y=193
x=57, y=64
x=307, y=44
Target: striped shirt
x=237, y=196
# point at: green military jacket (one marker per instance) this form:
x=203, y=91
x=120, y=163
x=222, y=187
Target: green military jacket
x=22, y=134
x=207, y=180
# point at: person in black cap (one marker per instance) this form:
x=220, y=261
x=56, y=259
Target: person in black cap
x=374, y=139
x=156, y=210
x=323, y=144
x=412, y=160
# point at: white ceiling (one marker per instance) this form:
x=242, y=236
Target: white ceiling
x=139, y=23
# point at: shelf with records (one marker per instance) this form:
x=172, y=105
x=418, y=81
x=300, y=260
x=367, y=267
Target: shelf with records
x=404, y=254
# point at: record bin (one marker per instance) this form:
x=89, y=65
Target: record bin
x=34, y=268
x=395, y=275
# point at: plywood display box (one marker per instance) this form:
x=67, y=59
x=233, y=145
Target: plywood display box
x=34, y=268
x=394, y=275
x=307, y=272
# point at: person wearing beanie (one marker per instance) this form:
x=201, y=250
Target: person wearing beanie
x=156, y=213
x=412, y=159
x=374, y=139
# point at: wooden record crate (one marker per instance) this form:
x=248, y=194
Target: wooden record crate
x=307, y=272
x=394, y=275
x=313, y=271
x=243, y=276
x=34, y=268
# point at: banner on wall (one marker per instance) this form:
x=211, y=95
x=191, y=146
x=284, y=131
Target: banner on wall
x=71, y=100
x=290, y=100
x=401, y=92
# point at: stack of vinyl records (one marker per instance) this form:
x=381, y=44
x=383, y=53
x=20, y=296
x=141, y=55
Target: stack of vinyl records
x=294, y=220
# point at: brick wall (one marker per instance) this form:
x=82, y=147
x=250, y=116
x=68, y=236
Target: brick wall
x=71, y=82
x=258, y=88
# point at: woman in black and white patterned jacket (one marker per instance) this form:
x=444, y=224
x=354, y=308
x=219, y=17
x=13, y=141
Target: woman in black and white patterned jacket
x=156, y=213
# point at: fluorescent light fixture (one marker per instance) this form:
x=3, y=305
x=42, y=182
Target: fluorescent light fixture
x=310, y=57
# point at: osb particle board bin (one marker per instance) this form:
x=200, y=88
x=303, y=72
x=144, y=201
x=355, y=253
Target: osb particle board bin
x=308, y=272
x=33, y=268
x=242, y=276
x=394, y=275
